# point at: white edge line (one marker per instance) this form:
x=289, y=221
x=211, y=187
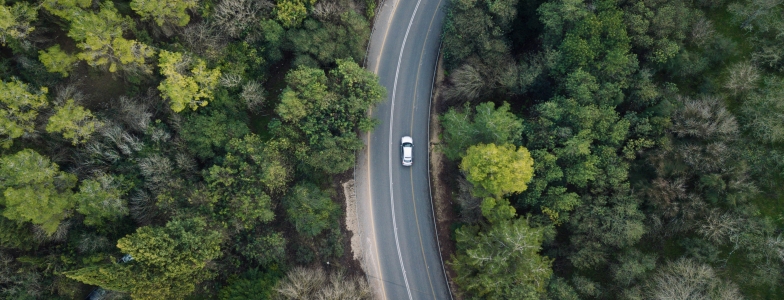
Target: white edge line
x=429, y=188
x=391, y=121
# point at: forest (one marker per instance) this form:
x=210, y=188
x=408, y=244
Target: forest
x=205, y=139
x=616, y=149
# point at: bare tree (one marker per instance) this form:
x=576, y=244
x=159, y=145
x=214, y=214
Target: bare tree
x=115, y=135
x=68, y=92
x=308, y=284
x=156, y=170
x=230, y=80
x=301, y=283
x=467, y=84
x=233, y=17
x=90, y=242
x=142, y=207
x=203, y=39
x=254, y=95
x=702, y=31
x=133, y=114
x=743, y=76
x=687, y=279
x=328, y=10
x=720, y=227
x=41, y=236
x=705, y=118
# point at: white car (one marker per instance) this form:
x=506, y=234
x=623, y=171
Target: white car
x=407, y=146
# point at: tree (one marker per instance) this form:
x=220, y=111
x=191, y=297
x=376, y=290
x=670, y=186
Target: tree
x=164, y=12
x=486, y=125
x=66, y=9
x=188, y=80
x=327, y=42
x=290, y=13
x=687, y=279
x=742, y=77
x=208, y=132
x=254, y=284
x=19, y=107
x=476, y=28
x=75, y=122
x=236, y=184
x=324, y=112
x=763, y=112
x=57, y=61
x=168, y=262
x=235, y=17
x=310, y=209
x=497, y=170
x=100, y=200
x=302, y=283
x=15, y=21
x=502, y=261
x=35, y=190
x=100, y=37
x=265, y=250
x=657, y=28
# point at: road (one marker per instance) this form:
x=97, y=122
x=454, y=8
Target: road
x=400, y=251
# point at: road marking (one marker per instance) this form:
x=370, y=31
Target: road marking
x=429, y=189
x=391, y=121
x=411, y=128
x=372, y=219
x=384, y=40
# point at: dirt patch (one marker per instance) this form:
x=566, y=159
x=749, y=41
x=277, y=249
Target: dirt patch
x=440, y=170
x=352, y=223
x=348, y=225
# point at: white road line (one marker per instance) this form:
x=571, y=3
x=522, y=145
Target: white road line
x=429, y=188
x=391, y=121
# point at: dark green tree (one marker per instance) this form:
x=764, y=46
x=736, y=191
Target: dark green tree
x=168, y=262
x=310, y=209
x=486, y=125
x=502, y=261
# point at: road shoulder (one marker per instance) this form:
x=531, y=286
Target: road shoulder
x=440, y=184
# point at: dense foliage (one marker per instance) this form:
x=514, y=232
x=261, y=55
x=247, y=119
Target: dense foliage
x=205, y=139
x=655, y=128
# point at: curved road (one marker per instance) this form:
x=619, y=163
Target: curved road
x=400, y=251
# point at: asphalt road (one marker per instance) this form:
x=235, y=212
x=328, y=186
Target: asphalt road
x=400, y=249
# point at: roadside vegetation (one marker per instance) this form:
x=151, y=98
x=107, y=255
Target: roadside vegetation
x=616, y=149
x=204, y=138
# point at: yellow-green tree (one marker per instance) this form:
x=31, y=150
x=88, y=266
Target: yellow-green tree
x=99, y=36
x=188, y=83
x=35, y=190
x=290, y=13
x=497, y=170
x=75, y=122
x=164, y=11
x=66, y=9
x=56, y=60
x=168, y=261
x=18, y=109
x=15, y=21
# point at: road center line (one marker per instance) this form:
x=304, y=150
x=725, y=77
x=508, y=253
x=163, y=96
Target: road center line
x=411, y=128
x=391, y=121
